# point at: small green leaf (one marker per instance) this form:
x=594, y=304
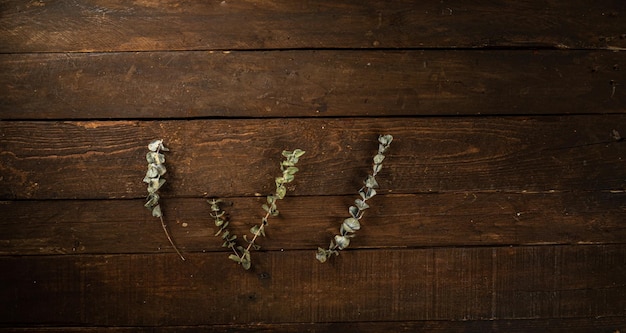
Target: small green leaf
x=246, y=264
x=291, y=170
x=155, y=170
x=271, y=199
x=362, y=193
x=218, y=215
x=342, y=242
x=225, y=234
x=153, y=199
x=159, y=158
x=155, y=184
x=354, y=212
x=343, y=231
x=361, y=204
x=152, y=171
x=288, y=178
x=254, y=230
x=298, y=152
x=228, y=244
x=234, y=258
x=371, y=182
x=220, y=231
x=156, y=211
x=287, y=153
x=245, y=260
x=379, y=158
x=160, y=168
x=370, y=193
x=150, y=157
x=351, y=224
x=385, y=139
x=265, y=208
x=155, y=145
x=321, y=255
x=281, y=191
x=219, y=222
x=154, y=157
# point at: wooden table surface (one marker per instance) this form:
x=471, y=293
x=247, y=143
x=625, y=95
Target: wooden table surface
x=502, y=201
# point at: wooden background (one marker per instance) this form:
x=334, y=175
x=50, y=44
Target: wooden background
x=502, y=204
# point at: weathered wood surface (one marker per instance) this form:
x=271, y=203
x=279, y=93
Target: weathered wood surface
x=225, y=158
x=393, y=221
x=113, y=25
x=379, y=285
x=309, y=84
x=503, y=198
x=568, y=325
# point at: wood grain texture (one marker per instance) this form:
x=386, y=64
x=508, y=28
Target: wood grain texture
x=502, y=200
x=568, y=325
x=393, y=221
x=228, y=158
x=309, y=84
x=380, y=285
x=113, y=25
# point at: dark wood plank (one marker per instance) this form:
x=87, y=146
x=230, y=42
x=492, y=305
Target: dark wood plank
x=568, y=325
x=228, y=158
x=113, y=25
x=309, y=84
x=394, y=221
x=291, y=287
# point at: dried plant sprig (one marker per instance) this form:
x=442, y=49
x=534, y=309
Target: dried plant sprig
x=221, y=221
x=241, y=255
x=288, y=167
x=367, y=191
x=156, y=169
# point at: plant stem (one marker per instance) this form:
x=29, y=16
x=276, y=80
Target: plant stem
x=258, y=232
x=235, y=250
x=170, y=238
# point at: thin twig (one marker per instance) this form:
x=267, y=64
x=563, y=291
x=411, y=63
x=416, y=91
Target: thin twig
x=258, y=232
x=167, y=234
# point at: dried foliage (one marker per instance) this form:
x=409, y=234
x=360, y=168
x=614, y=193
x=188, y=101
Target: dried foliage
x=156, y=169
x=241, y=255
x=352, y=224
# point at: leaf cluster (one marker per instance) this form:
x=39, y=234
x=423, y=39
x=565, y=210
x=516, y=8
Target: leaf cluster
x=352, y=224
x=156, y=169
x=241, y=255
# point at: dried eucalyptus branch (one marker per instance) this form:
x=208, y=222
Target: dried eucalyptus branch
x=221, y=221
x=156, y=169
x=242, y=255
x=352, y=224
